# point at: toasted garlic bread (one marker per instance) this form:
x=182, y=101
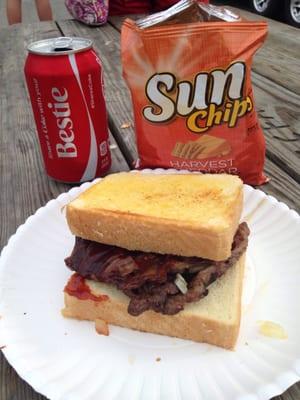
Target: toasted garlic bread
x=181, y=214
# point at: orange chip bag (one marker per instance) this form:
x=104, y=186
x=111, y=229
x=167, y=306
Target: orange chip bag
x=192, y=96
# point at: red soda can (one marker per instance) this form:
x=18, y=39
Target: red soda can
x=65, y=83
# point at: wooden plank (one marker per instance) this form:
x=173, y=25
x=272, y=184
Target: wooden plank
x=267, y=92
x=117, y=20
x=282, y=132
x=292, y=394
x=281, y=186
x=12, y=386
x=24, y=184
x=106, y=41
x=278, y=59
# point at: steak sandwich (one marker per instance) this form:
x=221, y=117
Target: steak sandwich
x=160, y=253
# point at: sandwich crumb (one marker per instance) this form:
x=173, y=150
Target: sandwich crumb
x=246, y=344
x=101, y=327
x=131, y=359
x=126, y=125
x=158, y=359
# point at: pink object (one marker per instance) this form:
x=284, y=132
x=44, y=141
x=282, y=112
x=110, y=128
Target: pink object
x=90, y=12
x=64, y=79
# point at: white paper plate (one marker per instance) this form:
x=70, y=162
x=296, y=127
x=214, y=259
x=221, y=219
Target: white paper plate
x=65, y=359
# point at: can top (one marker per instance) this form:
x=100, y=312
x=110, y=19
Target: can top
x=60, y=46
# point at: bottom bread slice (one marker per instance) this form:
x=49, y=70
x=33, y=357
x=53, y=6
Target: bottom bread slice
x=214, y=319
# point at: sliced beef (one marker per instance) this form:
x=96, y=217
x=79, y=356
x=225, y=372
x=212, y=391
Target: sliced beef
x=148, y=278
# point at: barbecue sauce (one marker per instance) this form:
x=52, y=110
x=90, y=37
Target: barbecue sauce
x=77, y=287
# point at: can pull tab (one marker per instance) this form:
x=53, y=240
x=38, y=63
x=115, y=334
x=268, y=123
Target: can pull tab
x=62, y=44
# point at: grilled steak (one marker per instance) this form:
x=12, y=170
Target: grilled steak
x=149, y=278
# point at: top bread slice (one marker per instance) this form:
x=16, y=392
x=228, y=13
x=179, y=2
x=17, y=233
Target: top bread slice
x=181, y=214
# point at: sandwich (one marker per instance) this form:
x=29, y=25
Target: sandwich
x=159, y=253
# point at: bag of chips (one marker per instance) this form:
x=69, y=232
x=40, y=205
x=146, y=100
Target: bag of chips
x=191, y=90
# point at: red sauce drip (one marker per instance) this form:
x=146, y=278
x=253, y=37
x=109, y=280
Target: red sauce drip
x=77, y=287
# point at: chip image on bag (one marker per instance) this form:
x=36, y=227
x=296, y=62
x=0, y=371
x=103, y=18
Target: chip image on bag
x=190, y=84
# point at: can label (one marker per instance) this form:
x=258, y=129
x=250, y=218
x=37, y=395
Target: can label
x=67, y=99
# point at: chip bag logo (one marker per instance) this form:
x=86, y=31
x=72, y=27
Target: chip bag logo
x=211, y=99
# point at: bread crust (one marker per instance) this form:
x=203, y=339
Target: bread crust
x=149, y=234
x=135, y=232
x=194, y=322
x=208, y=238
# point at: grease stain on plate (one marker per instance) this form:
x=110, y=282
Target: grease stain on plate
x=272, y=329
x=131, y=359
x=251, y=214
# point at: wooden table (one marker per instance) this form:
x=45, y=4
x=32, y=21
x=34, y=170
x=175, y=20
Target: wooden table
x=24, y=184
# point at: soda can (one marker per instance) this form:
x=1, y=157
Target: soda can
x=65, y=83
